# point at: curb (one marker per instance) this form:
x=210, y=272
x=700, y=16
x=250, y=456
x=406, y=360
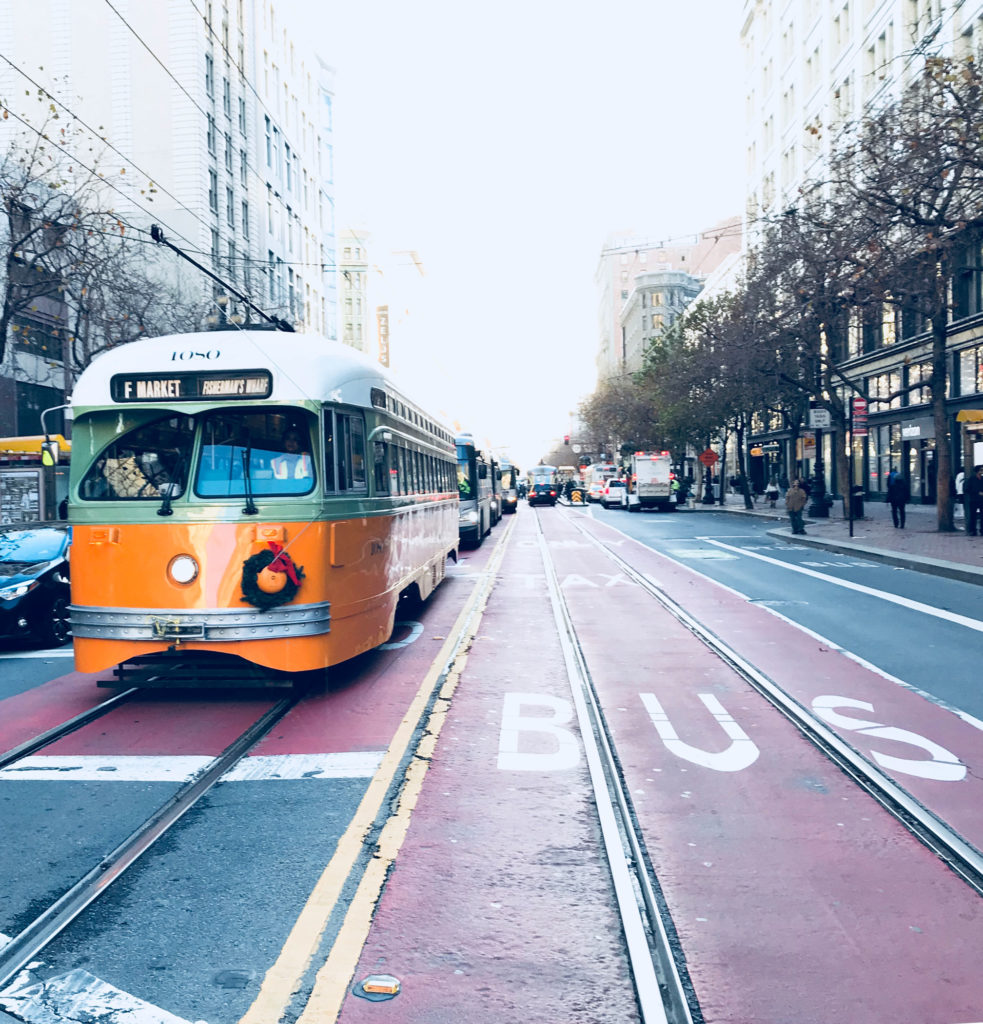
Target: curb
x=918, y=563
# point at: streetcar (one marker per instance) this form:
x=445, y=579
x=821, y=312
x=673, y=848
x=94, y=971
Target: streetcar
x=262, y=494
x=475, y=492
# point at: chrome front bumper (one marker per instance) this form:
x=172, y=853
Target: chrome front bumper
x=211, y=624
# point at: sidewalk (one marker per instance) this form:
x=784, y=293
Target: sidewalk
x=918, y=546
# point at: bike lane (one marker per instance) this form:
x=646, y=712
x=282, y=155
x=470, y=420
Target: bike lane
x=936, y=755
x=499, y=907
x=795, y=897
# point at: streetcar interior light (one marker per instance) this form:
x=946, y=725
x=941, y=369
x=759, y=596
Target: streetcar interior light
x=183, y=569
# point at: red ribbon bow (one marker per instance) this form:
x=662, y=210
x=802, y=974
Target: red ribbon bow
x=283, y=563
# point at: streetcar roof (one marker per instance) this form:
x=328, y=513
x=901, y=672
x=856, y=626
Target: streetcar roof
x=303, y=366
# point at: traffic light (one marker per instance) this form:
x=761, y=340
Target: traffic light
x=566, y=438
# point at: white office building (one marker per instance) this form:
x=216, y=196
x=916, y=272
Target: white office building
x=813, y=65
x=217, y=121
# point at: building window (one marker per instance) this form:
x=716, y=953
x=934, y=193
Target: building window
x=242, y=115
x=227, y=98
x=213, y=191
x=228, y=152
x=230, y=208
x=215, y=243
x=210, y=131
x=290, y=183
x=245, y=220
x=971, y=371
x=243, y=166
x=209, y=76
x=269, y=144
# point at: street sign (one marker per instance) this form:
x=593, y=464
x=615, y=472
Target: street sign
x=858, y=417
x=819, y=418
x=709, y=458
x=576, y=449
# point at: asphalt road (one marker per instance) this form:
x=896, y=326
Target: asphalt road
x=924, y=630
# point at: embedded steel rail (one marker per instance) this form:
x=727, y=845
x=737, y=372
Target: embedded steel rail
x=25, y=946
x=960, y=856
x=56, y=732
x=660, y=989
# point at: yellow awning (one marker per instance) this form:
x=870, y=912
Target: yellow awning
x=31, y=445
x=969, y=416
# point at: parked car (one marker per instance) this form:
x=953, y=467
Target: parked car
x=543, y=494
x=611, y=496
x=34, y=587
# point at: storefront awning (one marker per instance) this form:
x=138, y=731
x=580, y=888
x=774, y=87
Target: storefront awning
x=969, y=416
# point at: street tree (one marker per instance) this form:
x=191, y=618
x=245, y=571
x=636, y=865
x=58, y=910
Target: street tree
x=915, y=167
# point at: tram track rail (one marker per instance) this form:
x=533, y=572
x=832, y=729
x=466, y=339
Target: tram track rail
x=662, y=987
x=25, y=946
x=960, y=856
x=56, y=732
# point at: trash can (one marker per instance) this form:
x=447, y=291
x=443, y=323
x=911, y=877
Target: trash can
x=857, y=502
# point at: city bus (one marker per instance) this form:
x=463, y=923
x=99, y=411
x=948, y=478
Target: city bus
x=474, y=485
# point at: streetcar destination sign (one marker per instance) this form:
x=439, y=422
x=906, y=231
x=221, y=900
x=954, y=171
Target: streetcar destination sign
x=186, y=387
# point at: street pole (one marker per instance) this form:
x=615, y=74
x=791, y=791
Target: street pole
x=849, y=490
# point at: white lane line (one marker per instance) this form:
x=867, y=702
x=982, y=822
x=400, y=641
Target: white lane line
x=178, y=769
x=78, y=996
x=54, y=652
x=969, y=719
x=904, y=602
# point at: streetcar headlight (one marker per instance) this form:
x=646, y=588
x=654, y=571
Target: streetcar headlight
x=471, y=516
x=183, y=569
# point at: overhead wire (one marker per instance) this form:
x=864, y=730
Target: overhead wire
x=102, y=138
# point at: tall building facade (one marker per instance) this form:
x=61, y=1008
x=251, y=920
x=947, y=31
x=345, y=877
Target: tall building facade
x=632, y=272
x=356, y=318
x=817, y=64
x=211, y=119
x=812, y=66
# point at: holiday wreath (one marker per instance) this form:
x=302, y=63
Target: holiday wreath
x=276, y=560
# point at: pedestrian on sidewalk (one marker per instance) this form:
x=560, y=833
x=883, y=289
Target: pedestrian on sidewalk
x=795, y=502
x=771, y=492
x=973, y=496
x=960, y=482
x=898, y=495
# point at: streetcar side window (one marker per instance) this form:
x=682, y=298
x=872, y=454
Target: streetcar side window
x=357, y=432
x=329, y=450
x=380, y=455
x=345, y=451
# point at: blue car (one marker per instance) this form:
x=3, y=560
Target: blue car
x=34, y=582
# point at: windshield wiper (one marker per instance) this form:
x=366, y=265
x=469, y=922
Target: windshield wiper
x=168, y=490
x=250, y=507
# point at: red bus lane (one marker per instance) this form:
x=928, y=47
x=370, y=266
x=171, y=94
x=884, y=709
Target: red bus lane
x=795, y=896
x=928, y=750
x=499, y=907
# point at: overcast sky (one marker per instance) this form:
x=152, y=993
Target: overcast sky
x=503, y=142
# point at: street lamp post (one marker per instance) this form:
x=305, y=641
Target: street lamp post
x=819, y=509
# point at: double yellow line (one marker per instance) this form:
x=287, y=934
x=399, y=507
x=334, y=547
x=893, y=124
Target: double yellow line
x=332, y=981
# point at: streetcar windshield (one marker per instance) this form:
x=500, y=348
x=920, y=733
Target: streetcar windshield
x=272, y=447
x=144, y=464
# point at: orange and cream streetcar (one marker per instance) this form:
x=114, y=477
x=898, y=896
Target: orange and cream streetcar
x=256, y=493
